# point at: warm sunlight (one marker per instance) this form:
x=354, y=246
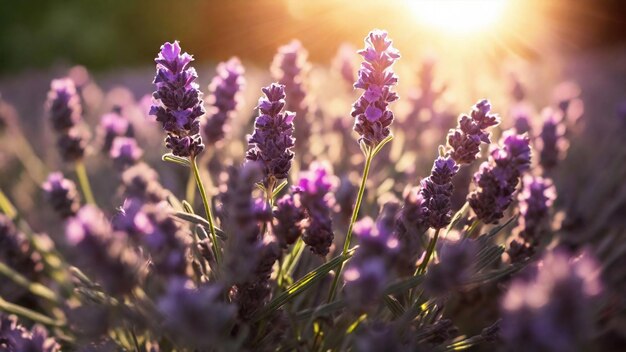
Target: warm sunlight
x=458, y=16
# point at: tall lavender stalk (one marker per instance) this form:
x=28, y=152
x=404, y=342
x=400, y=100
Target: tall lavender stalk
x=178, y=107
x=371, y=113
x=65, y=111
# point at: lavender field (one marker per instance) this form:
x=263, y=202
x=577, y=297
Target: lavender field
x=451, y=179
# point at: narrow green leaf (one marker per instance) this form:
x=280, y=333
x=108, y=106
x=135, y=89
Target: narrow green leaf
x=394, y=306
x=24, y=312
x=188, y=208
x=175, y=159
x=382, y=143
x=280, y=187
x=198, y=220
x=300, y=286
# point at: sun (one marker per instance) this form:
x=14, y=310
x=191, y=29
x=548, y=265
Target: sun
x=458, y=16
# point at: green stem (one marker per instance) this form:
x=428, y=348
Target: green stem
x=429, y=253
x=6, y=206
x=369, y=155
x=81, y=172
x=190, y=192
x=207, y=210
x=33, y=165
x=470, y=231
x=23, y=312
x=36, y=289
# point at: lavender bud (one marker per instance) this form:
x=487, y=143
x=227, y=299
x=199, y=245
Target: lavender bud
x=196, y=317
x=113, y=125
x=125, y=152
x=178, y=104
x=313, y=190
x=271, y=141
x=411, y=224
x=62, y=195
x=552, y=144
x=142, y=182
x=376, y=78
x=101, y=252
x=436, y=191
x=290, y=68
x=534, y=203
x=72, y=144
x=63, y=104
x=470, y=132
x=225, y=90
x=288, y=216
x=552, y=311
x=497, y=179
x=521, y=120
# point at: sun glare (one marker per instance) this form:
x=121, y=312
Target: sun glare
x=458, y=16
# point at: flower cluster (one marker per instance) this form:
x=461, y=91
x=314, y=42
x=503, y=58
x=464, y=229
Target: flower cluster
x=436, y=191
x=142, y=182
x=125, y=152
x=62, y=195
x=290, y=68
x=15, y=337
x=225, y=89
x=411, y=224
x=464, y=141
x=376, y=78
x=288, y=216
x=113, y=125
x=271, y=141
x=497, y=179
x=65, y=111
x=178, y=104
x=313, y=190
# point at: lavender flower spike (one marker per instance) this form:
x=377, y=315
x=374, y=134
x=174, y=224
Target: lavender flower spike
x=464, y=141
x=225, y=91
x=497, y=179
x=376, y=78
x=272, y=141
x=63, y=104
x=125, y=152
x=437, y=190
x=61, y=193
x=178, y=104
x=552, y=143
x=313, y=190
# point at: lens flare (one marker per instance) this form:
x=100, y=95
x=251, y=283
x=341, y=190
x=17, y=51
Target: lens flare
x=458, y=16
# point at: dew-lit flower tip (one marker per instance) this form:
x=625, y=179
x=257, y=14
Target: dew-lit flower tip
x=436, y=191
x=497, y=179
x=313, y=189
x=63, y=104
x=61, y=194
x=101, y=252
x=290, y=68
x=125, y=152
x=558, y=299
x=376, y=78
x=464, y=140
x=225, y=90
x=271, y=142
x=178, y=104
x=552, y=143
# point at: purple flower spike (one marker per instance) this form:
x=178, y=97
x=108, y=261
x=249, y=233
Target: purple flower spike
x=178, y=104
x=290, y=68
x=272, y=141
x=142, y=182
x=343, y=63
x=225, y=90
x=72, y=144
x=288, y=216
x=113, y=125
x=125, y=152
x=471, y=131
x=63, y=104
x=411, y=224
x=552, y=311
x=497, y=179
x=61, y=193
x=313, y=190
x=376, y=78
x=552, y=144
x=437, y=190
x=15, y=337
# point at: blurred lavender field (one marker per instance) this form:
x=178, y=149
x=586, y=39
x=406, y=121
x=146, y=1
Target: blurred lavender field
x=459, y=188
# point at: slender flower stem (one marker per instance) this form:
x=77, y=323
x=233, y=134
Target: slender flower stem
x=35, y=168
x=35, y=288
x=6, y=207
x=81, y=172
x=190, y=191
x=429, y=253
x=470, y=231
x=18, y=310
x=369, y=155
x=207, y=209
